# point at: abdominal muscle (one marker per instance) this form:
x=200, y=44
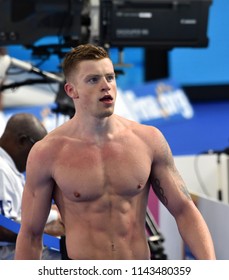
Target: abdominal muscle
x=95, y=233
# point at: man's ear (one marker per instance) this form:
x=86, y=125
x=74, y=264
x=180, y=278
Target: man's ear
x=22, y=140
x=71, y=90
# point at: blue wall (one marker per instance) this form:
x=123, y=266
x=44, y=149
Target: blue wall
x=207, y=130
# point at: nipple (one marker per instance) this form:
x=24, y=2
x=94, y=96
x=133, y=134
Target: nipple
x=76, y=194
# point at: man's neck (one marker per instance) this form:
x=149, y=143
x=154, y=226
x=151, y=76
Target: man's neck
x=97, y=130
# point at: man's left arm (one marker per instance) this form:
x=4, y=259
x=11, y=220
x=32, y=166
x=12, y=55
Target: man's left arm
x=170, y=188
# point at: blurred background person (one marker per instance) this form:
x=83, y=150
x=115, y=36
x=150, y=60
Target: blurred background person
x=21, y=132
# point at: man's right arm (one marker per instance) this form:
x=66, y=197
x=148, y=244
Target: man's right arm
x=36, y=204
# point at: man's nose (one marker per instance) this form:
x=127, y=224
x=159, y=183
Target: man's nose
x=105, y=84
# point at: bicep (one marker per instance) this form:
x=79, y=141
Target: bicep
x=165, y=179
x=37, y=195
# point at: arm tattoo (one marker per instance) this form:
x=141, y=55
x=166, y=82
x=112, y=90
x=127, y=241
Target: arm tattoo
x=159, y=191
x=184, y=190
x=182, y=186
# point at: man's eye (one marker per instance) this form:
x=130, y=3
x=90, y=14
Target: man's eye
x=93, y=80
x=110, y=78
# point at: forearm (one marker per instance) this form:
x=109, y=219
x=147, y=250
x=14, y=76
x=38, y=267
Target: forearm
x=28, y=248
x=196, y=235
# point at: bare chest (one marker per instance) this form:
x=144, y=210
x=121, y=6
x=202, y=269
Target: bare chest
x=85, y=173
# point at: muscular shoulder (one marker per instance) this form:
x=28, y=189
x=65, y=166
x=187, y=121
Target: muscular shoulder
x=149, y=134
x=155, y=141
x=46, y=150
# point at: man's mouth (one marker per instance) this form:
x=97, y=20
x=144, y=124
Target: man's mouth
x=106, y=98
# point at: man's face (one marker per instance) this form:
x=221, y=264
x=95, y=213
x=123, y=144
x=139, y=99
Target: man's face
x=95, y=86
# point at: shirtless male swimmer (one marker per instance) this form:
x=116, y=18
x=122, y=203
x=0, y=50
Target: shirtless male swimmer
x=99, y=167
